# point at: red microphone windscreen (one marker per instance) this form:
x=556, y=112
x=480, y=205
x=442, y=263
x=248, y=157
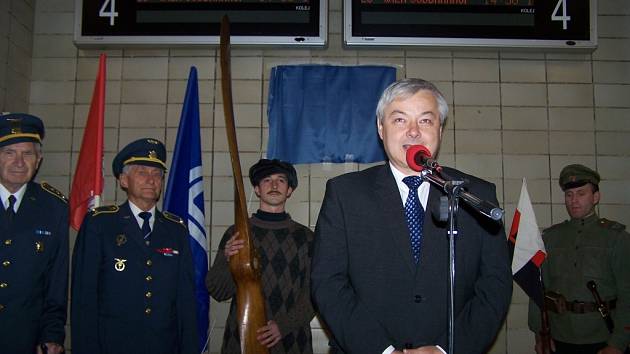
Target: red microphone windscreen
x=417, y=150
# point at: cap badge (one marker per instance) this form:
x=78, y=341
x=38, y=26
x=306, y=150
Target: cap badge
x=152, y=141
x=16, y=127
x=153, y=154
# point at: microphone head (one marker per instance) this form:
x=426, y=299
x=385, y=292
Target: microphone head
x=414, y=156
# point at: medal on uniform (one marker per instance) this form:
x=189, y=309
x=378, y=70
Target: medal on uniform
x=120, y=264
x=39, y=246
x=121, y=240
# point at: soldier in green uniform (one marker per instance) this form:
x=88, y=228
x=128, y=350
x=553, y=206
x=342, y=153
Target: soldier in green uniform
x=585, y=249
x=132, y=270
x=33, y=244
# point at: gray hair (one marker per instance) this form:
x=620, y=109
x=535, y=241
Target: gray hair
x=406, y=88
x=125, y=169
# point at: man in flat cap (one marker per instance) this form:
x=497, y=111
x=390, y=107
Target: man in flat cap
x=33, y=244
x=132, y=271
x=285, y=249
x=585, y=250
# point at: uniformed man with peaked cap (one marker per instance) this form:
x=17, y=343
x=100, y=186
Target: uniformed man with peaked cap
x=33, y=244
x=582, y=249
x=133, y=289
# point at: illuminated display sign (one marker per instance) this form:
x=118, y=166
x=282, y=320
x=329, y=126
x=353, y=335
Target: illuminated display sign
x=190, y=22
x=471, y=23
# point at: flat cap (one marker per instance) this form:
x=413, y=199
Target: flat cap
x=266, y=167
x=576, y=175
x=20, y=127
x=146, y=152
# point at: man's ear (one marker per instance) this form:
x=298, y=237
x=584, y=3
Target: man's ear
x=257, y=191
x=289, y=192
x=379, y=128
x=123, y=180
x=596, y=197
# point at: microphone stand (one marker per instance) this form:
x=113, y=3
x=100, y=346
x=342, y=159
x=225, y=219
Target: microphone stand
x=454, y=191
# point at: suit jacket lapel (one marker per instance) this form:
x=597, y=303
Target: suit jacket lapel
x=28, y=206
x=130, y=226
x=433, y=233
x=158, y=228
x=394, y=214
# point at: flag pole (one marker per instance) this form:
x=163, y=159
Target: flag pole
x=545, y=331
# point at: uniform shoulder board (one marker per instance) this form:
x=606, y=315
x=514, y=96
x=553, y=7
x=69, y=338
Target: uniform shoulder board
x=107, y=209
x=174, y=218
x=612, y=225
x=54, y=191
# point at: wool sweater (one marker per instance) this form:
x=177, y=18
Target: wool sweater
x=285, y=248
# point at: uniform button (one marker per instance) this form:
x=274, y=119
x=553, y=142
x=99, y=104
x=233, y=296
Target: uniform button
x=3, y=285
x=148, y=278
x=1, y=307
x=6, y=263
x=147, y=311
x=149, y=263
x=8, y=242
x=148, y=294
x=417, y=299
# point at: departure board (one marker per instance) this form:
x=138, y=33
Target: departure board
x=197, y=22
x=552, y=24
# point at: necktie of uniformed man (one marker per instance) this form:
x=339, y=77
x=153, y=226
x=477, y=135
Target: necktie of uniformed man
x=10, y=212
x=146, y=227
x=415, y=215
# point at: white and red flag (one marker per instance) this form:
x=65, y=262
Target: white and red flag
x=527, y=248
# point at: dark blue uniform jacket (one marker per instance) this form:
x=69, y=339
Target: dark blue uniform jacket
x=128, y=297
x=34, y=271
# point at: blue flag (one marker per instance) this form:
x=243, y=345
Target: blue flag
x=325, y=113
x=184, y=196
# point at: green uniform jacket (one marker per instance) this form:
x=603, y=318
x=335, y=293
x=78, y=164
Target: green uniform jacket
x=580, y=250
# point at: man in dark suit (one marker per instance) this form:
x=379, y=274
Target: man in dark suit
x=377, y=288
x=33, y=244
x=132, y=271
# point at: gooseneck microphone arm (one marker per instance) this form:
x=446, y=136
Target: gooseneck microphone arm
x=484, y=207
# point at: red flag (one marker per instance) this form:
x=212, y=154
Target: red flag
x=87, y=185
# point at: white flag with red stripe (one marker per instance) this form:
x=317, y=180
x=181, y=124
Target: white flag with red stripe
x=527, y=248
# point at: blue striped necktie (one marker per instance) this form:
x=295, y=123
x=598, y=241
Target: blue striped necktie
x=415, y=215
x=146, y=226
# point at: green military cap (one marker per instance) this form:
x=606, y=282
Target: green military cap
x=576, y=175
x=146, y=151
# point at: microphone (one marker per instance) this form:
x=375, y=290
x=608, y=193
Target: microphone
x=419, y=158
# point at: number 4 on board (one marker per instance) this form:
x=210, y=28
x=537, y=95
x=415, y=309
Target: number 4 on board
x=555, y=17
x=112, y=14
